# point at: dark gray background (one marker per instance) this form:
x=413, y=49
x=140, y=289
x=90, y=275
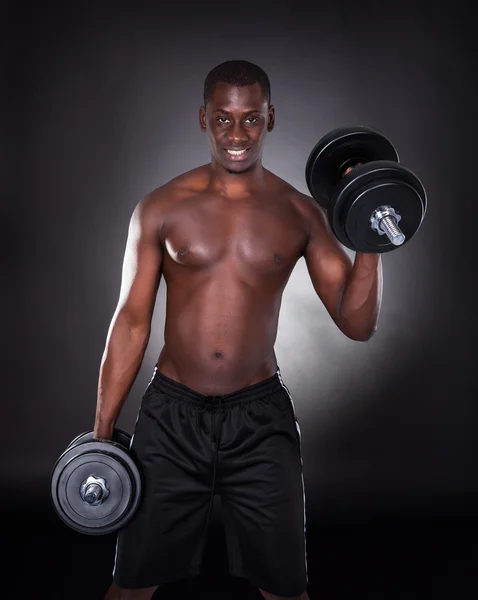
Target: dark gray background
x=101, y=106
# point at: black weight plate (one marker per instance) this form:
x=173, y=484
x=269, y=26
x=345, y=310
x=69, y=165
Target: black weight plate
x=332, y=153
x=119, y=436
x=118, y=482
x=100, y=458
x=365, y=189
x=59, y=481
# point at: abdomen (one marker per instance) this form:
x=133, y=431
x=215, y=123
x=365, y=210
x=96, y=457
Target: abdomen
x=220, y=337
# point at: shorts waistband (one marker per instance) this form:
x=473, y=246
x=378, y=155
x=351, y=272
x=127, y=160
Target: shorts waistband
x=256, y=391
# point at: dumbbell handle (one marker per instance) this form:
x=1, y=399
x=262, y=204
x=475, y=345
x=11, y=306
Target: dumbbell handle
x=93, y=490
x=93, y=493
x=384, y=220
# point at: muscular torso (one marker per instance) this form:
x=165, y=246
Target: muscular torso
x=226, y=263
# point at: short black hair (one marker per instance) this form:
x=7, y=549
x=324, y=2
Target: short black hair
x=239, y=73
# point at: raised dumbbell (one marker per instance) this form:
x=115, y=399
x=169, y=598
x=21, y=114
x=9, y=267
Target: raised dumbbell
x=95, y=484
x=379, y=204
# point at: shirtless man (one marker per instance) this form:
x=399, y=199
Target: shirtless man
x=217, y=417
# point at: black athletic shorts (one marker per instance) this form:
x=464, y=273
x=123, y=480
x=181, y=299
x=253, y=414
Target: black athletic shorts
x=245, y=447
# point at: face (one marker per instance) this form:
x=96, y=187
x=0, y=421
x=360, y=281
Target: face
x=236, y=121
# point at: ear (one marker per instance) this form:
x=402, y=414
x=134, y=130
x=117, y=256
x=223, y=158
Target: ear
x=271, y=118
x=202, y=118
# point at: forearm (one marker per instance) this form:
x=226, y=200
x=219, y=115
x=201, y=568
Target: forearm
x=122, y=359
x=360, y=304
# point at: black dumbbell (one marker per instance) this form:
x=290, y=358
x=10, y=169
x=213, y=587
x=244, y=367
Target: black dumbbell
x=95, y=484
x=365, y=206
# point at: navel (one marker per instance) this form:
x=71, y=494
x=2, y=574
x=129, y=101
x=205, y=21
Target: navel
x=277, y=259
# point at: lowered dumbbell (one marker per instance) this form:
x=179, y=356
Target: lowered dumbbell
x=95, y=484
x=379, y=204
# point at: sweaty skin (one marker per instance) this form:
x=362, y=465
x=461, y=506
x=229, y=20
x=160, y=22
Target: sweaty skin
x=225, y=237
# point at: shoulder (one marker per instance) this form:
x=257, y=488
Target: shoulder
x=307, y=207
x=180, y=186
x=157, y=203
x=314, y=217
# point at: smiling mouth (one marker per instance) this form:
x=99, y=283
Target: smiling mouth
x=237, y=154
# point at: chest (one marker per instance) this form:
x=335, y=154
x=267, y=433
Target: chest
x=202, y=232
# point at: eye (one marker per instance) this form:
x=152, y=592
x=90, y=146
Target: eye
x=252, y=119
x=221, y=119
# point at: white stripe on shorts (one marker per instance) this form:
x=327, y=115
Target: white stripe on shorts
x=300, y=444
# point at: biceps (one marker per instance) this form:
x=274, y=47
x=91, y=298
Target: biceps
x=141, y=275
x=329, y=267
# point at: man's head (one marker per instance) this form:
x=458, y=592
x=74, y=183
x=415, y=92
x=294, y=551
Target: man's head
x=237, y=113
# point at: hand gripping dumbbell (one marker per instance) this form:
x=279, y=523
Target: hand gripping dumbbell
x=95, y=484
x=379, y=204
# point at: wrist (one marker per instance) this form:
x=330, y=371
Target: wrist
x=366, y=262
x=103, y=430
x=368, y=256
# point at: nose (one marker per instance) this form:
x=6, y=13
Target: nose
x=237, y=134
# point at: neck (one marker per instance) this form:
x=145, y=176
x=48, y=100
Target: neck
x=231, y=184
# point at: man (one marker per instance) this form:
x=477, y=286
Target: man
x=216, y=417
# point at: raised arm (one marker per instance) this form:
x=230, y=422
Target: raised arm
x=130, y=328
x=351, y=293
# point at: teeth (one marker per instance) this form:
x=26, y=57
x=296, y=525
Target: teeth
x=236, y=152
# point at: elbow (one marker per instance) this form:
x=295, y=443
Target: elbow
x=359, y=335
x=362, y=338
x=136, y=325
